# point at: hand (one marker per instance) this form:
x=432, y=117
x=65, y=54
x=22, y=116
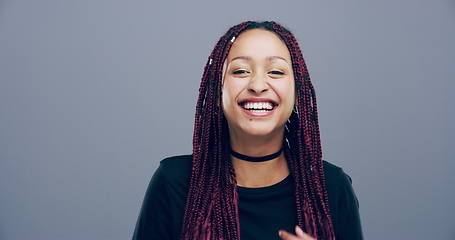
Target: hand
x=300, y=235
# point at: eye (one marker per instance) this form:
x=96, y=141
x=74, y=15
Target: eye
x=240, y=71
x=277, y=72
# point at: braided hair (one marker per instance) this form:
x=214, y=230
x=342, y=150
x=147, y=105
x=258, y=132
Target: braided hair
x=211, y=208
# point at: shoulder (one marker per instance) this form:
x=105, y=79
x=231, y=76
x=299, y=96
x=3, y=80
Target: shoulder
x=176, y=168
x=176, y=161
x=163, y=205
x=339, y=185
x=335, y=175
x=343, y=203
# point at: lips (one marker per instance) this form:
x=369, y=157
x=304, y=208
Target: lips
x=258, y=100
x=258, y=107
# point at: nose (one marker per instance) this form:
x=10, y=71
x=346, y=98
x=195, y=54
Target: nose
x=258, y=84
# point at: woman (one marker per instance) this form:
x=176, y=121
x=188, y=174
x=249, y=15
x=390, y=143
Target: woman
x=256, y=171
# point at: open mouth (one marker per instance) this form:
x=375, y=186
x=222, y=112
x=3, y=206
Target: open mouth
x=263, y=108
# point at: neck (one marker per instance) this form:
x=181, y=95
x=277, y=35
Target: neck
x=259, y=174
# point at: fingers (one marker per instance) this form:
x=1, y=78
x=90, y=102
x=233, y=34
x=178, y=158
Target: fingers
x=300, y=235
x=288, y=236
x=299, y=231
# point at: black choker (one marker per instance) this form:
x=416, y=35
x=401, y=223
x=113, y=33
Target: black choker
x=256, y=159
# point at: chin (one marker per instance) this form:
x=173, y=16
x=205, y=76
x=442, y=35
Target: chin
x=258, y=130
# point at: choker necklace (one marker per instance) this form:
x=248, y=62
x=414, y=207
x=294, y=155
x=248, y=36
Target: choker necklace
x=256, y=159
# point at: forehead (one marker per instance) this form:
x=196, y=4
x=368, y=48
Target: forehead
x=258, y=45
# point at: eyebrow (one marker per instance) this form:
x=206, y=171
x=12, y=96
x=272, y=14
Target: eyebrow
x=268, y=58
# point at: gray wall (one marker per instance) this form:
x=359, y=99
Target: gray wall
x=94, y=93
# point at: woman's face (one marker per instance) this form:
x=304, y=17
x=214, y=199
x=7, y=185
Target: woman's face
x=258, y=84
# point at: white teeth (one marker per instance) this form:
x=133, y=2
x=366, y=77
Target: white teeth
x=258, y=105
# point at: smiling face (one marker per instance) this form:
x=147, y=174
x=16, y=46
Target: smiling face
x=258, y=90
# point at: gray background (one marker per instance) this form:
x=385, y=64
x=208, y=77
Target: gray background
x=94, y=93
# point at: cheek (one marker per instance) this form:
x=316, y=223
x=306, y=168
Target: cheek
x=229, y=92
x=225, y=99
x=286, y=92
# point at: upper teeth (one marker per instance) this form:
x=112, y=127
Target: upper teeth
x=258, y=105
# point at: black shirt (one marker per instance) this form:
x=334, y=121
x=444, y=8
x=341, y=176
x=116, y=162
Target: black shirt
x=262, y=211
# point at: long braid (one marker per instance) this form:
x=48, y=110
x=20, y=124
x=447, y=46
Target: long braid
x=211, y=210
x=313, y=165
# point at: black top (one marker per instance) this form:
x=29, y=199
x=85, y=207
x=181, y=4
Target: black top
x=262, y=211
